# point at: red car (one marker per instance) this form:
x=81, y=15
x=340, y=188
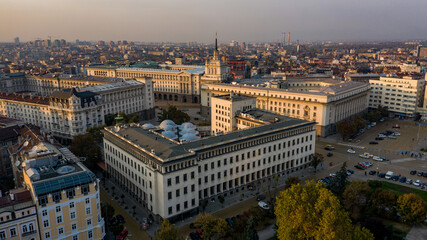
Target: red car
x=123, y=234
x=363, y=165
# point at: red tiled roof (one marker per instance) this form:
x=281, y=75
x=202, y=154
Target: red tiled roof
x=25, y=98
x=19, y=197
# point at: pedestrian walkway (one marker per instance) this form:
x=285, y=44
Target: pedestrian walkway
x=351, y=145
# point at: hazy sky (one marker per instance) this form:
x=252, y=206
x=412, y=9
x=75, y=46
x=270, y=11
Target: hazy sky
x=198, y=20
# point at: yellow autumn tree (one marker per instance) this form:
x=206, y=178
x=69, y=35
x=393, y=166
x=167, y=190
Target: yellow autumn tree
x=167, y=231
x=311, y=211
x=412, y=208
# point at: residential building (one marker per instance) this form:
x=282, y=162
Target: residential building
x=172, y=178
x=18, y=216
x=401, y=96
x=65, y=192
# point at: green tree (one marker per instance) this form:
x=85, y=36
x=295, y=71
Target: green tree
x=167, y=231
x=86, y=146
x=109, y=119
x=383, y=111
x=311, y=211
x=212, y=227
x=174, y=114
x=355, y=197
x=338, y=183
x=315, y=160
x=291, y=181
x=383, y=203
x=250, y=231
x=117, y=229
x=411, y=208
x=96, y=132
x=221, y=199
x=345, y=129
x=107, y=211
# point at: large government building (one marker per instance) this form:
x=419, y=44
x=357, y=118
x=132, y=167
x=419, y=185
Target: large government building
x=172, y=175
x=326, y=102
x=179, y=83
x=70, y=111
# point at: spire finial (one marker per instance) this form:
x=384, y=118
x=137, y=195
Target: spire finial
x=216, y=41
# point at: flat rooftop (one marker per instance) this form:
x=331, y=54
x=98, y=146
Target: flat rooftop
x=168, y=149
x=21, y=199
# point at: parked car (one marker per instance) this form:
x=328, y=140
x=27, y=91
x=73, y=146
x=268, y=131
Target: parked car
x=396, y=134
x=363, y=156
x=328, y=148
x=368, y=127
x=392, y=137
x=381, y=175
x=379, y=138
x=349, y=171
x=373, y=124
x=368, y=154
x=402, y=179
x=381, y=135
x=351, y=150
x=260, y=197
x=263, y=205
x=229, y=221
x=359, y=167
x=376, y=158
x=372, y=172
x=373, y=142
x=368, y=164
x=194, y=236
x=396, y=126
x=417, y=183
x=382, y=119
x=329, y=154
x=420, y=174
x=413, y=172
x=123, y=234
x=425, y=174
x=409, y=181
x=120, y=218
x=395, y=178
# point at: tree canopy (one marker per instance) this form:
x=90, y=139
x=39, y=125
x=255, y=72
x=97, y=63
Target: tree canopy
x=167, y=231
x=250, y=231
x=316, y=159
x=86, y=146
x=311, y=211
x=355, y=197
x=411, y=208
x=338, y=183
x=212, y=227
x=174, y=114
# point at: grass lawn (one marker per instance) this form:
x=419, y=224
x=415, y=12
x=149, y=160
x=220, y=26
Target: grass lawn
x=400, y=190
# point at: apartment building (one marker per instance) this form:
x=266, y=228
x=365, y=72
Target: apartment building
x=171, y=178
x=18, y=216
x=327, y=105
x=402, y=96
x=65, y=192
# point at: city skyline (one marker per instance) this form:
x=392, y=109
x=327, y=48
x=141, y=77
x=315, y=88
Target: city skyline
x=187, y=21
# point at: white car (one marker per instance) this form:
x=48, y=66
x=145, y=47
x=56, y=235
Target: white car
x=373, y=124
x=263, y=205
x=376, y=158
x=396, y=134
x=332, y=174
x=350, y=150
x=417, y=183
x=363, y=156
x=382, y=135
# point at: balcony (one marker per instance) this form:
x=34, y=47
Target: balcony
x=29, y=233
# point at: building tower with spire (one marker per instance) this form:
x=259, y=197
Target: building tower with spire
x=216, y=70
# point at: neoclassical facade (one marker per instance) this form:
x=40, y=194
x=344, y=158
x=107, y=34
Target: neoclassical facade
x=70, y=112
x=327, y=105
x=177, y=83
x=171, y=179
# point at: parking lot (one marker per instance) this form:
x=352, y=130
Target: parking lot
x=412, y=138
